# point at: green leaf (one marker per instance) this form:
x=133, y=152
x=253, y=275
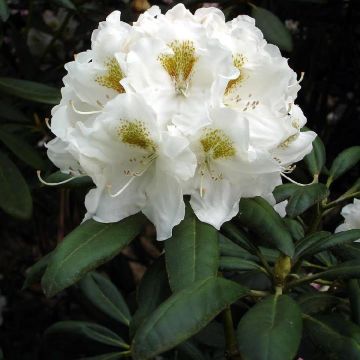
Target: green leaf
x=105, y=296
x=35, y=272
x=153, y=290
x=271, y=330
x=67, y=4
x=58, y=176
x=183, y=315
x=344, y=162
x=319, y=243
x=258, y=215
x=295, y=228
x=239, y=237
x=30, y=90
x=335, y=335
x=317, y=158
x=284, y=191
x=191, y=351
x=84, y=249
x=345, y=270
x=272, y=27
x=305, y=197
x=15, y=197
x=317, y=302
x=12, y=113
x=109, y=356
x=192, y=253
x=228, y=248
x=22, y=149
x=212, y=335
x=4, y=10
x=304, y=246
x=354, y=297
x=90, y=331
x=229, y=263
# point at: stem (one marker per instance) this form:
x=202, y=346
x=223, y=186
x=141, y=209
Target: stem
x=125, y=353
x=342, y=198
x=259, y=293
x=232, y=351
x=303, y=280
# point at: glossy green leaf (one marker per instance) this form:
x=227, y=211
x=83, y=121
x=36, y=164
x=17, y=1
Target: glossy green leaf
x=192, y=253
x=67, y=4
x=284, y=191
x=258, y=215
x=212, y=335
x=15, y=197
x=346, y=270
x=153, y=290
x=305, y=246
x=58, y=177
x=4, y=10
x=191, y=351
x=295, y=228
x=354, y=297
x=12, y=113
x=35, y=272
x=108, y=356
x=305, y=197
x=315, y=303
x=335, y=335
x=271, y=330
x=238, y=236
x=30, y=90
x=84, y=249
x=272, y=27
x=228, y=263
x=105, y=296
x=228, y=248
x=91, y=331
x=22, y=149
x=344, y=162
x=322, y=243
x=317, y=158
x=183, y=315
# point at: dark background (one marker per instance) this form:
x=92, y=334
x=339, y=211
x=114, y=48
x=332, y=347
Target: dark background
x=40, y=36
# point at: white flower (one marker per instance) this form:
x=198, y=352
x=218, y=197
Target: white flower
x=351, y=214
x=135, y=165
x=178, y=104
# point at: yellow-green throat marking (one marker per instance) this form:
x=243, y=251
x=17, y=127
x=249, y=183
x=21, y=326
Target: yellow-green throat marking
x=135, y=133
x=180, y=64
x=113, y=75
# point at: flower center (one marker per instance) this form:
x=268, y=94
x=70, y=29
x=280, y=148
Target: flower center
x=216, y=144
x=135, y=133
x=180, y=64
x=113, y=75
x=238, y=61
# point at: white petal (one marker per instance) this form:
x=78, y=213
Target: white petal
x=165, y=207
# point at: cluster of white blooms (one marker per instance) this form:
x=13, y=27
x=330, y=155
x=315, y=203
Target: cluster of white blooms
x=178, y=104
x=351, y=215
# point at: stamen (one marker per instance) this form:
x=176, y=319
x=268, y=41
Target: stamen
x=302, y=74
x=83, y=112
x=58, y=183
x=47, y=122
x=133, y=176
x=295, y=182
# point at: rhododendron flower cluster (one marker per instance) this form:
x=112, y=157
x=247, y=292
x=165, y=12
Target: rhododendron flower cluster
x=178, y=104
